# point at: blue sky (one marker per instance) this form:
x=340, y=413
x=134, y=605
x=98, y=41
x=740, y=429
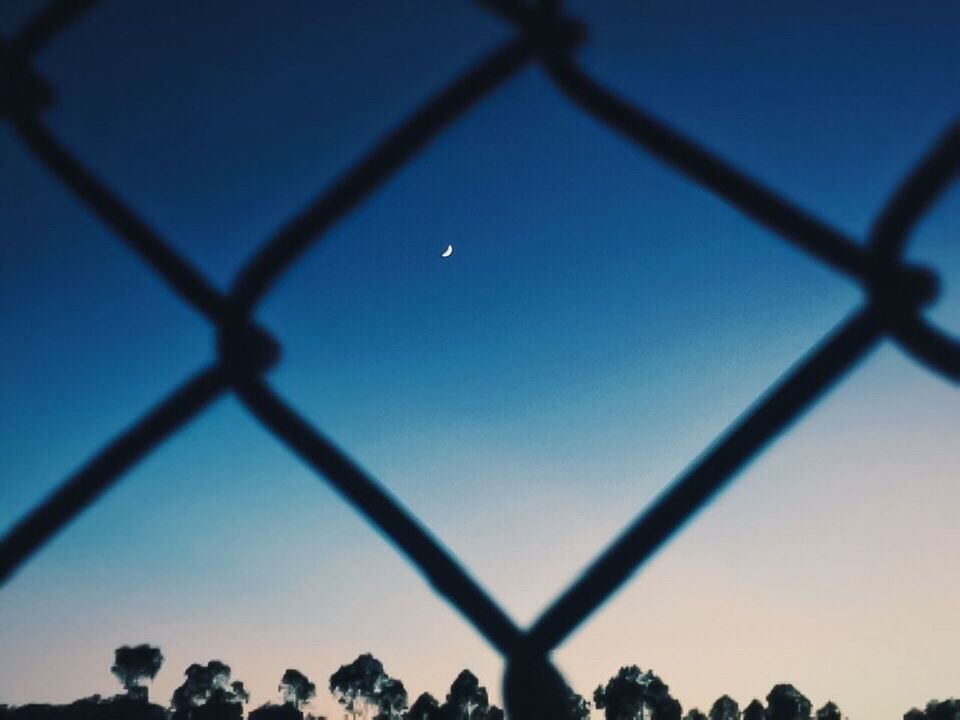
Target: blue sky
x=600, y=322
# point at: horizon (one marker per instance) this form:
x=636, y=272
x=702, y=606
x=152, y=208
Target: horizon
x=316, y=698
x=601, y=322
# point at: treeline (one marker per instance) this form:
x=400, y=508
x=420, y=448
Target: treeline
x=365, y=690
x=636, y=695
x=209, y=692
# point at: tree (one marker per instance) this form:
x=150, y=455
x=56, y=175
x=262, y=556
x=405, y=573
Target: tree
x=631, y=692
x=725, y=708
x=785, y=702
x=695, y=714
x=239, y=691
x=657, y=697
x=754, y=711
x=579, y=706
x=355, y=685
x=363, y=685
x=622, y=697
x=670, y=709
x=943, y=710
x=391, y=698
x=828, y=712
x=467, y=698
x=296, y=688
x=208, y=694
x=425, y=707
x=133, y=665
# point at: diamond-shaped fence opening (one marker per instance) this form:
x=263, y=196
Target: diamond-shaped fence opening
x=896, y=294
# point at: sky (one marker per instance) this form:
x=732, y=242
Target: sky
x=601, y=321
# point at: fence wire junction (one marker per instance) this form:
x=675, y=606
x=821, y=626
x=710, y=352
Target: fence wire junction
x=895, y=296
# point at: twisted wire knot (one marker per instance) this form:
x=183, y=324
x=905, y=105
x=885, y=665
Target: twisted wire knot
x=245, y=350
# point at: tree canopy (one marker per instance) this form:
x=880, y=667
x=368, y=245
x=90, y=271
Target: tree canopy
x=631, y=693
x=209, y=694
x=785, y=702
x=365, y=690
x=362, y=686
x=133, y=665
x=725, y=708
x=425, y=707
x=296, y=688
x=754, y=711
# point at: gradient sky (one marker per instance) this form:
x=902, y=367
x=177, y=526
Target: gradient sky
x=600, y=322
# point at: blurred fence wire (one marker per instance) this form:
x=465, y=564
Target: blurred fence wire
x=895, y=294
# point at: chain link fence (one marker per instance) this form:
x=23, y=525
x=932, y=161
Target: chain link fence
x=895, y=295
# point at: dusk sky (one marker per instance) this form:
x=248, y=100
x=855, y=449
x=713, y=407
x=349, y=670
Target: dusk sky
x=601, y=321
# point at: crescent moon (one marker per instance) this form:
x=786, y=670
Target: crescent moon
x=448, y=252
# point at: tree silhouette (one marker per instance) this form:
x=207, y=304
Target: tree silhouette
x=622, y=697
x=828, y=712
x=239, y=691
x=467, y=698
x=391, y=698
x=296, y=688
x=425, y=707
x=208, y=694
x=355, y=685
x=579, y=706
x=133, y=665
x=670, y=709
x=725, y=708
x=943, y=710
x=631, y=691
x=657, y=697
x=785, y=702
x=362, y=687
x=754, y=711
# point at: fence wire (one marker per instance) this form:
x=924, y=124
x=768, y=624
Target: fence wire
x=895, y=295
